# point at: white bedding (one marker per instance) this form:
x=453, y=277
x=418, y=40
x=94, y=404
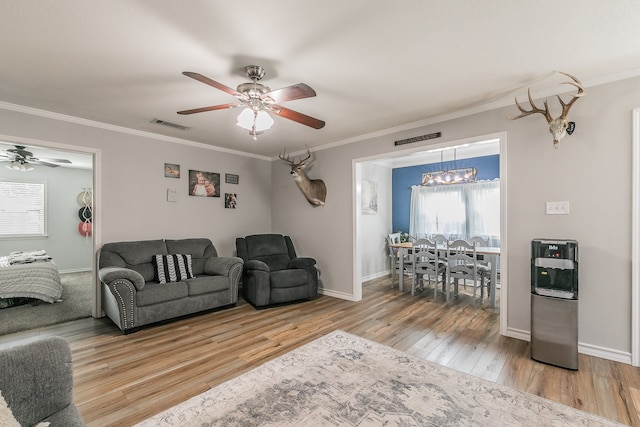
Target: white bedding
x=38, y=280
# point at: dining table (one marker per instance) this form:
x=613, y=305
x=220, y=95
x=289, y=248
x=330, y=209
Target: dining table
x=490, y=254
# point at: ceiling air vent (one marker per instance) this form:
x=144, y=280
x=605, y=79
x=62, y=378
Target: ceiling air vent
x=171, y=125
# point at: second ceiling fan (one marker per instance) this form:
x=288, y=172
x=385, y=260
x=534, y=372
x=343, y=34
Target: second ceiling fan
x=259, y=101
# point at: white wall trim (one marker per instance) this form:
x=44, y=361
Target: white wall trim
x=586, y=349
x=336, y=294
x=121, y=129
x=635, y=242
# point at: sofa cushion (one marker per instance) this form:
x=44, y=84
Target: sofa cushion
x=136, y=255
x=155, y=293
x=206, y=284
x=199, y=249
x=173, y=268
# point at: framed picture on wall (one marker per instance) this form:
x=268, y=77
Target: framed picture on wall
x=369, y=197
x=230, y=200
x=171, y=170
x=204, y=184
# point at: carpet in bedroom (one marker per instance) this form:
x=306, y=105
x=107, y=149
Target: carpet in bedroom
x=76, y=303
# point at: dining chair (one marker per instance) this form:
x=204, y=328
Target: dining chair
x=426, y=262
x=484, y=267
x=394, y=256
x=462, y=265
x=442, y=243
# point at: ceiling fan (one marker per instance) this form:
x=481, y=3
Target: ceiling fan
x=259, y=101
x=21, y=160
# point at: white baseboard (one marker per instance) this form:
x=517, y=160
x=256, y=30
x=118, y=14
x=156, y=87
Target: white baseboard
x=335, y=294
x=587, y=349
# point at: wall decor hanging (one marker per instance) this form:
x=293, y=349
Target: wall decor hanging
x=314, y=190
x=230, y=200
x=560, y=125
x=171, y=170
x=85, y=201
x=204, y=184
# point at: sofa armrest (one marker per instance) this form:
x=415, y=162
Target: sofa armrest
x=36, y=379
x=302, y=262
x=254, y=264
x=109, y=274
x=221, y=266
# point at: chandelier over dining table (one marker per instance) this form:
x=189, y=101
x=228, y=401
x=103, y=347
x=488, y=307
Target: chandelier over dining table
x=449, y=176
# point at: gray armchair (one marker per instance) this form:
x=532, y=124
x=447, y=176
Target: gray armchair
x=273, y=273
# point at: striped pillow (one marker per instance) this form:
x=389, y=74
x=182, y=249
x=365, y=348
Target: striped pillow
x=173, y=268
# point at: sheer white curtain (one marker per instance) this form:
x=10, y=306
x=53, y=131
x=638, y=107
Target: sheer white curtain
x=437, y=210
x=484, y=212
x=457, y=211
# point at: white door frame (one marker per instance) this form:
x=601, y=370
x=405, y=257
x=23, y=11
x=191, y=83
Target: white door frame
x=635, y=242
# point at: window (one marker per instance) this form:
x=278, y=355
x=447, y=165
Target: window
x=458, y=211
x=22, y=208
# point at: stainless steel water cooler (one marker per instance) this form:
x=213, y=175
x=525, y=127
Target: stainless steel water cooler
x=554, y=302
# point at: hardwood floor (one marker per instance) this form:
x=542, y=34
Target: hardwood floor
x=120, y=380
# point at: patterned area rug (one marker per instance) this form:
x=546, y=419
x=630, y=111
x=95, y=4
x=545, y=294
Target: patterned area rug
x=344, y=380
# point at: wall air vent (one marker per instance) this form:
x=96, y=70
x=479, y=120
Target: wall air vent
x=171, y=125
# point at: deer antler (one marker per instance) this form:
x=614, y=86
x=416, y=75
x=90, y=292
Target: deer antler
x=533, y=110
x=558, y=126
x=581, y=91
x=288, y=160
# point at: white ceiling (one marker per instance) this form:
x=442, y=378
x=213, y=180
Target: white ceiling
x=375, y=64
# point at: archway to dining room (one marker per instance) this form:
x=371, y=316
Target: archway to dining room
x=370, y=228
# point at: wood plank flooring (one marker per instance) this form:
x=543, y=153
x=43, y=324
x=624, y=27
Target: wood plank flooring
x=120, y=380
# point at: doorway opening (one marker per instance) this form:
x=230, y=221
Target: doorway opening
x=369, y=230
x=70, y=172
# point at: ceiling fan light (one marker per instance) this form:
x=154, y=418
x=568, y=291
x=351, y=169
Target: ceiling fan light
x=263, y=121
x=246, y=118
x=254, y=122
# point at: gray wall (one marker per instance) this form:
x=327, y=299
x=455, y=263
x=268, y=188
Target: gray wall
x=591, y=169
x=131, y=192
x=70, y=250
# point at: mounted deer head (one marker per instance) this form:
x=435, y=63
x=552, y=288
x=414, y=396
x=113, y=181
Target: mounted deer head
x=313, y=189
x=558, y=126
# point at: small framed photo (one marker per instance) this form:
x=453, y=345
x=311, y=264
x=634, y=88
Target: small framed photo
x=204, y=184
x=230, y=178
x=171, y=170
x=230, y=200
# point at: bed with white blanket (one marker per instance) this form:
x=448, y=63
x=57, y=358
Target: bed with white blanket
x=31, y=274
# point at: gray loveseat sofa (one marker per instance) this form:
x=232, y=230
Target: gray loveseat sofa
x=36, y=382
x=133, y=294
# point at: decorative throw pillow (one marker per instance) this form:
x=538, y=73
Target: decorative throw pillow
x=173, y=268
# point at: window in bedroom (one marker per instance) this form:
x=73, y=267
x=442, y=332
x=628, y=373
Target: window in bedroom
x=22, y=208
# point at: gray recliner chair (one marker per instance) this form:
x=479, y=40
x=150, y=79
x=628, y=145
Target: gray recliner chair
x=273, y=273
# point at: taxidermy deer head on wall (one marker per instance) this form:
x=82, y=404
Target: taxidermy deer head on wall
x=313, y=189
x=560, y=125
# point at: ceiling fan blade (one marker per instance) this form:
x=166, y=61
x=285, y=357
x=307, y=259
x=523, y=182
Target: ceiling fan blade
x=212, y=108
x=208, y=81
x=289, y=93
x=297, y=117
x=40, y=162
x=53, y=160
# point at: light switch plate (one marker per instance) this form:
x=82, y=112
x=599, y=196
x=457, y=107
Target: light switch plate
x=557, y=208
x=172, y=195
